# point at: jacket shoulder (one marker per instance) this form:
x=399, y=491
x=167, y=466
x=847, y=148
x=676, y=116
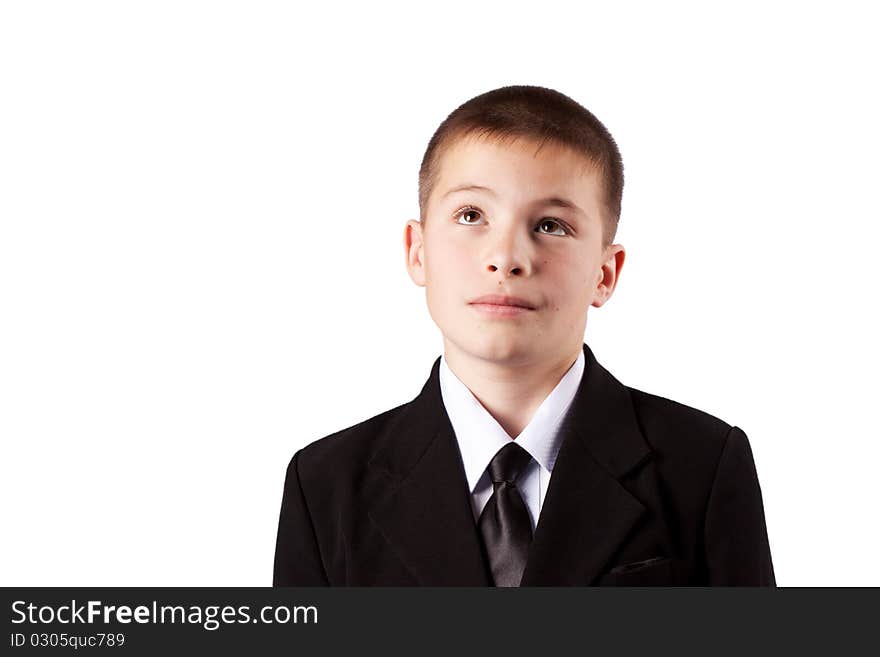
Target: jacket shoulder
x=349, y=447
x=674, y=428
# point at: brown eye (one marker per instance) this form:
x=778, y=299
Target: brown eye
x=464, y=212
x=552, y=222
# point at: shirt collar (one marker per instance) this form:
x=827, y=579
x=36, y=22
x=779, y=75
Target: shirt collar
x=480, y=436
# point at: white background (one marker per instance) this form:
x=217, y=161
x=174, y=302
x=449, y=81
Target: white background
x=202, y=268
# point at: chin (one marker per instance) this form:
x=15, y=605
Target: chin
x=500, y=348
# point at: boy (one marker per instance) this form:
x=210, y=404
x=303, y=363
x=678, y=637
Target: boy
x=523, y=462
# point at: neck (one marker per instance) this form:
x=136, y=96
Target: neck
x=511, y=393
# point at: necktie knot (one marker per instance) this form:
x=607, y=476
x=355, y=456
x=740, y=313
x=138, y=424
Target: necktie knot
x=508, y=463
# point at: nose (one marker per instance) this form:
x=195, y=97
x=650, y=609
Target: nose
x=509, y=254
x=512, y=271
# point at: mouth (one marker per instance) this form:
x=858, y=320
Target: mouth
x=495, y=305
x=502, y=301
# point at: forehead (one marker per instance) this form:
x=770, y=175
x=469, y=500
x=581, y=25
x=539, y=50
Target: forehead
x=519, y=170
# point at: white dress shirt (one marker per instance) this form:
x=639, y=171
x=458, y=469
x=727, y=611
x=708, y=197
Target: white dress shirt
x=480, y=437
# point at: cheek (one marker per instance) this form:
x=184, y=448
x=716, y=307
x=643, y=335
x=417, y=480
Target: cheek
x=448, y=273
x=446, y=261
x=569, y=279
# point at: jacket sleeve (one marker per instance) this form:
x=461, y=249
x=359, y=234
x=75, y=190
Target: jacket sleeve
x=297, y=557
x=736, y=543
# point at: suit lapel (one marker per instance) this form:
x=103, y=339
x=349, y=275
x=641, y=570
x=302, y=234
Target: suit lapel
x=587, y=512
x=424, y=508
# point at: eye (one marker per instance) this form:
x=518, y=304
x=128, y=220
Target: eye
x=553, y=222
x=469, y=210
x=464, y=211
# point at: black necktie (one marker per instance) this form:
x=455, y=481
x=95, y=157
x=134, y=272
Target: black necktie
x=505, y=523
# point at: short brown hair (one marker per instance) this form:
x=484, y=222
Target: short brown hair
x=538, y=113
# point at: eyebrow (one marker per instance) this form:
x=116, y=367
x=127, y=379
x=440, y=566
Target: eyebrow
x=557, y=201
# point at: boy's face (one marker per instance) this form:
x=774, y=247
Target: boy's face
x=508, y=239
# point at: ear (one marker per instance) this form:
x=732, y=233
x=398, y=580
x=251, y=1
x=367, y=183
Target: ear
x=608, y=274
x=413, y=242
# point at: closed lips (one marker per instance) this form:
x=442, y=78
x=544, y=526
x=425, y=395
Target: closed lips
x=503, y=300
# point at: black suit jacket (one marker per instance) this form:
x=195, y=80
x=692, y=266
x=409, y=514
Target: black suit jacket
x=645, y=491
